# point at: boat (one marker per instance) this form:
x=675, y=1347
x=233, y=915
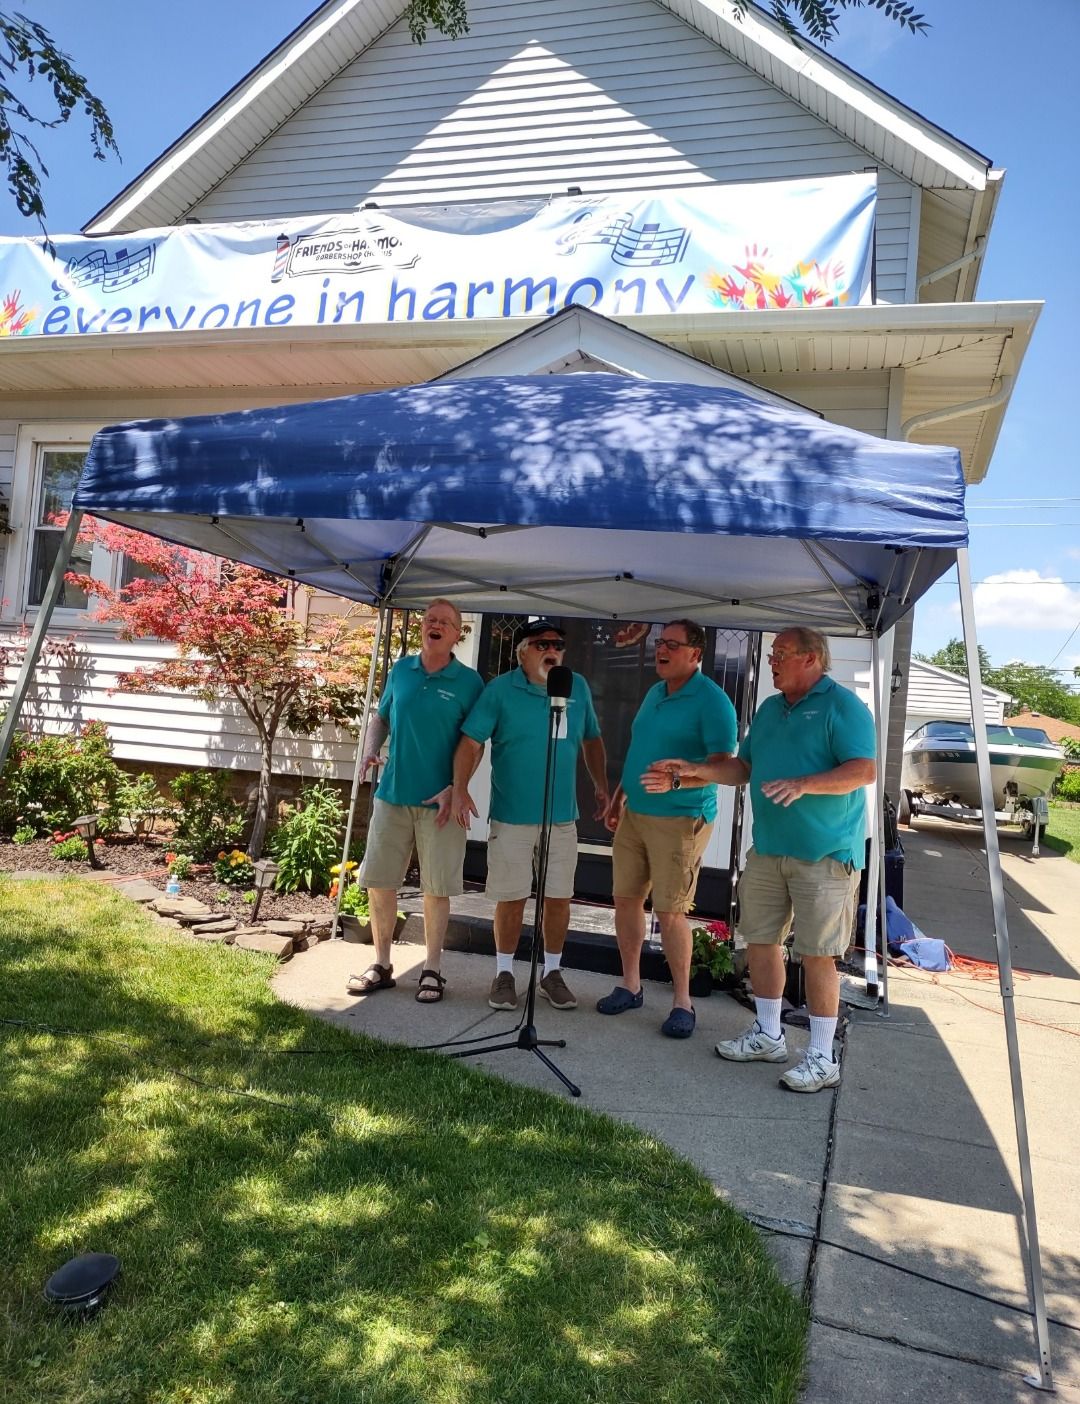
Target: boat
x=939, y=767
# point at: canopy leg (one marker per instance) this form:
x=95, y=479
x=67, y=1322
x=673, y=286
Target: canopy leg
x=1029, y=1225
x=37, y=634
x=874, y=867
x=357, y=775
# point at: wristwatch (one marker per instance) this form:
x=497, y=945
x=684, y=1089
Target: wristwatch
x=676, y=780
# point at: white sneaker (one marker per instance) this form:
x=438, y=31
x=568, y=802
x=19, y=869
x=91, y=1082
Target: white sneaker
x=755, y=1045
x=813, y=1074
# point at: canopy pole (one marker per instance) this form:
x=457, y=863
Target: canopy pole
x=37, y=635
x=873, y=870
x=877, y=839
x=1028, y=1223
x=358, y=768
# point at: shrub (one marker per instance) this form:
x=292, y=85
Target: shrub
x=179, y=865
x=26, y=833
x=141, y=803
x=1068, y=785
x=50, y=780
x=210, y=819
x=235, y=869
x=70, y=847
x=305, y=845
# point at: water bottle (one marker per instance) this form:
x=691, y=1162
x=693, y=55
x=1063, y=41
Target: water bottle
x=172, y=887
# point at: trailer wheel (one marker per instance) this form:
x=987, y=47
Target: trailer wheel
x=905, y=810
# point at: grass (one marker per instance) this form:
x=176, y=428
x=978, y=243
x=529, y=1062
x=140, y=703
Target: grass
x=1063, y=830
x=364, y=1223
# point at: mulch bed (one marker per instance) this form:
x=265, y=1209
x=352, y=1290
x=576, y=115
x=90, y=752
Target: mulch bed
x=146, y=859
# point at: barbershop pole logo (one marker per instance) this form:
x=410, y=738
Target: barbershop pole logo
x=342, y=251
x=641, y=246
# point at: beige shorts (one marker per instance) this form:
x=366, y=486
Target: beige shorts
x=818, y=897
x=392, y=834
x=512, y=854
x=661, y=855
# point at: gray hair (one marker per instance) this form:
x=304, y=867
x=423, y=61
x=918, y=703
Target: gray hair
x=812, y=641
x=449, y=605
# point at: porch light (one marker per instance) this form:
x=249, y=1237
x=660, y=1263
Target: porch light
x=266, y=870
x=86, y=826
x=896, y=679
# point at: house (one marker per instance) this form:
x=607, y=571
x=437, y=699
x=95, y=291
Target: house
x=935, y=694
x=540, y=112
x=1057, y=730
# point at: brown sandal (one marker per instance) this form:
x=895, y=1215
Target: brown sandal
x=375, y=977
x=430, y=989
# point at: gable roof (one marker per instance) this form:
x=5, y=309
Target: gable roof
x=920, y=665
x=339, y=30
x=1055, y=728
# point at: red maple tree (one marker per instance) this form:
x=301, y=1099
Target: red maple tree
x=235, y=634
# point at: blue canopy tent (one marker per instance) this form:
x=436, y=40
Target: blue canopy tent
x=585, y=494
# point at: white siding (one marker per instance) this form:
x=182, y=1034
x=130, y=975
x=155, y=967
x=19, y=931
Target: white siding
x=933, y=696
x=615, y=96
x=8, y=431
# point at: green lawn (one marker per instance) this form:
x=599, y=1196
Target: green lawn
x=1063, y=831
x=362, y=1224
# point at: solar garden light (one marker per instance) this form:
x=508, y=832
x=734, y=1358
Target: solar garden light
x=86, y=827
x=266, y=870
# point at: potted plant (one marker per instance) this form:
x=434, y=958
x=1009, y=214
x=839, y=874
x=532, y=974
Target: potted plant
x=354, y=914
x=712, y=956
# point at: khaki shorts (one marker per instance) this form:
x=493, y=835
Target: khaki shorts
x=512, y=854
x=658, y=854
x=392, y=833
x=819, y=897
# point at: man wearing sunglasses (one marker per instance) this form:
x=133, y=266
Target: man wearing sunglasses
x=810, y=751
x=660, y=837
x=513, y=712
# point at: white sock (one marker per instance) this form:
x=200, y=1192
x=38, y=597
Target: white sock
x=552, y=961
x=768, y=1016
x=822, y=1032
x=504, y=964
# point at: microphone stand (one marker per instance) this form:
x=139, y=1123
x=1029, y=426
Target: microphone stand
x=527, y=1037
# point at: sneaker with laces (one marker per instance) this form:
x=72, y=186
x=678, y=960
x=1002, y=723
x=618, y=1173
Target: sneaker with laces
x=503, y=993
x=557, y=992
x=754, y=1046
x=813, y=1074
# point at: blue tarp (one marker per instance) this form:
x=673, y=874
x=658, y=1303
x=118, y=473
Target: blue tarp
x=592, y=494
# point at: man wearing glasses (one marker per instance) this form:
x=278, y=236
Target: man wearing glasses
x=810, y=750
x=661, y=835
x=514, y=714
x=426, y=698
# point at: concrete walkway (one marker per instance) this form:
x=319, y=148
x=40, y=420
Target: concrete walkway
x=912, y=1163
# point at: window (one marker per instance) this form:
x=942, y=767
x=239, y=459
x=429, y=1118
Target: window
x=58, y=479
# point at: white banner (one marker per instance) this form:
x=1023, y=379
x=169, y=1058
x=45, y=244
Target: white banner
x=805, y=243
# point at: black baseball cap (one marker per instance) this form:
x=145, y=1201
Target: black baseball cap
x=542, y=626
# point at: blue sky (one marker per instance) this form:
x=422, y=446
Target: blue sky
x=995, y=74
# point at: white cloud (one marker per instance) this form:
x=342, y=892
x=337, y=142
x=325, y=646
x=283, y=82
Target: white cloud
x=1025, y=599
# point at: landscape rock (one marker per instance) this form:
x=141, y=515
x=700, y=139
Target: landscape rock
x=268, y=942
x=139, y=890
x=288, y=926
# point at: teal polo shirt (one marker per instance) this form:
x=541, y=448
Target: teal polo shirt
x=820, y=731
x=695, y=722
x=514, y=715
x=424, y=712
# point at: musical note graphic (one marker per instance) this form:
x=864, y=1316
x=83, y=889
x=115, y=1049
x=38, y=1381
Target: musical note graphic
x=122, y=271
x=646, y=247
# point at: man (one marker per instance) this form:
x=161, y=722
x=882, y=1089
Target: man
x=426, y=698
x=660, y=838
x=514, y=714
x=810, y=751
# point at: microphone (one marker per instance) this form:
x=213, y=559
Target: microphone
x=560, y=684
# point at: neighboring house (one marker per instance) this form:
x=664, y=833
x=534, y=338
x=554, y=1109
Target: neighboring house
x=935, y=694
x=639, y=97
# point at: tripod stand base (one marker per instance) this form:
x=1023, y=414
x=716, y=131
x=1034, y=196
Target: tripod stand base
x=528, y=1040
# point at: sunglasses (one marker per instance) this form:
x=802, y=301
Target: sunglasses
x=547, y=645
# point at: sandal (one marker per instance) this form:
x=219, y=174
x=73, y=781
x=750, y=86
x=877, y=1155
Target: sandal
x=430, y=988
x=375, y=977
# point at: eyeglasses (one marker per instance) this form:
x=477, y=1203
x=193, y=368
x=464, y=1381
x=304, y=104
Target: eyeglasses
x=672, y=645
x=783, y=657
x=547, y=645
x=441, y=624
